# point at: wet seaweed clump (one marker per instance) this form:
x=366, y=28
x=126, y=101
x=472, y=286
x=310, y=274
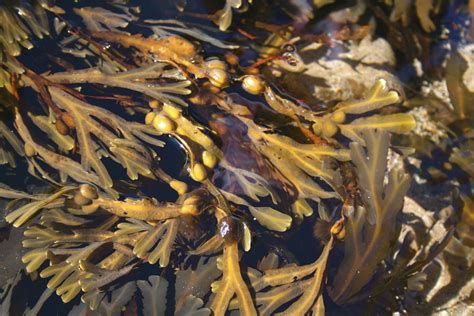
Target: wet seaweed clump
x=164, y=171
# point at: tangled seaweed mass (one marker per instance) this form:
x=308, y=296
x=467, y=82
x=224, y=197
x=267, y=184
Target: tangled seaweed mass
x=200, y=158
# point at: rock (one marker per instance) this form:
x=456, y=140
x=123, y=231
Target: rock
x=342, y=72
x=467, y=52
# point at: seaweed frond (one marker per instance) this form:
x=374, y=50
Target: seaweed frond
x=265, y=215
x=195, y=281
x=54, y=160
x=119, y=298
x=193, y=306
x=224, y=16
x=142, y=79
x=302, y=286
x=378, y=97
x=14, y=33
x=124, y=147
x=65, y=143
x=154, y=295
x=402, y=11
x=461, y=97
x=20, y=23
x=76, y=247
x=8, y=137
x=372, y=228
x=154, y=242
x=23, y=214
x=231, y=284
x=98, y=19
x=299, y=163
x=464, y=158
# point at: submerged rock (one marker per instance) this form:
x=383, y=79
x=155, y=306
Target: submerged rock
x=342, y=72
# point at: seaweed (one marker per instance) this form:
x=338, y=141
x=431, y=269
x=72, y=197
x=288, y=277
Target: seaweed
x=195, y=280
x=153, y=243
x=97, y=19
x=299, y=162
x=224, y=16
x=118, y=299
x=6, y=298
x=154, y=295
x=300, y=285
x=371, y=228
x=222, y=169
x=422, y=238
x=135, y=80
x=464, y=158
x=231, y=284
x=466, y=223
x=402, y=11
x=461, y=98
x=23, y=214
x=7, y=156
x=20, y=22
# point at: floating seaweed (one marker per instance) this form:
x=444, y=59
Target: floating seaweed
x=175, y=181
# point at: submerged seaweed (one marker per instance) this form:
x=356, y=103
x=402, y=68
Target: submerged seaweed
x=156, y=153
